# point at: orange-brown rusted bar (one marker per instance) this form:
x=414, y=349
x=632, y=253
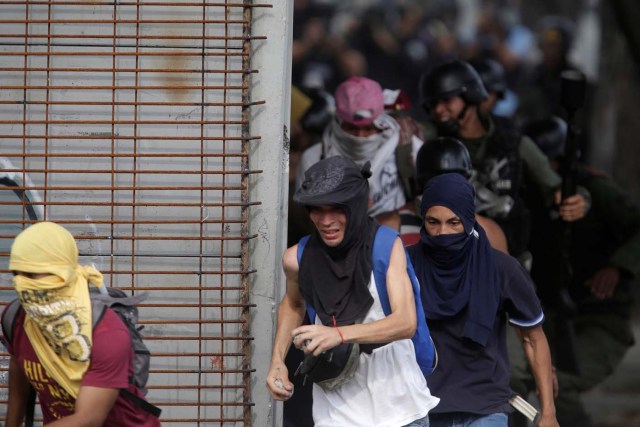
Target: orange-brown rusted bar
x=122, y=21
x=134, y=137
x=111, y=87
x=134, y=204
x=187, y=387
x=138, y=171
x=129, y=103
x=125, y=221
x=159, y=52
x=130, y=37
x=133, y=3
x=123, y=155
x=123, y=122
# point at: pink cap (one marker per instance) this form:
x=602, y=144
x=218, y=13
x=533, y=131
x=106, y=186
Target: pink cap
x=359, y=101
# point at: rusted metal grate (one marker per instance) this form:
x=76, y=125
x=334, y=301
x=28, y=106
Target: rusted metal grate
x=127, y=122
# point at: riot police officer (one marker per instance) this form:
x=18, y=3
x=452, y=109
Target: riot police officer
x=493, y=78
x=602, y=259
x=506, y=162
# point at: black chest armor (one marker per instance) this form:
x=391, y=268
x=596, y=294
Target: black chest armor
x=501, y=168
x=500, y=184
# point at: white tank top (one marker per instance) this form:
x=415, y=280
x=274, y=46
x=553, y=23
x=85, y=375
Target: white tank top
x=387, y=390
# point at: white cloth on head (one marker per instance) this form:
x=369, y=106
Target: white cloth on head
x=385, y=187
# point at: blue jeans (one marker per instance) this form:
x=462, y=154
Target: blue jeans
x=422, y=422
x=461, y=419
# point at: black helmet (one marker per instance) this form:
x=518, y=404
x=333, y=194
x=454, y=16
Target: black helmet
x=548, y=134
x=320, y=113
x=454, y=78
x=556, y=29
x=492, y=75
x=441, y=155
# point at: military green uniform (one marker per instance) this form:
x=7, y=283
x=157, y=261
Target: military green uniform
x=608, y=236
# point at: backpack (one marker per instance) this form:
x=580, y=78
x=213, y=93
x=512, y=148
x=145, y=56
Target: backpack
x=426, y=354
x=126, y=308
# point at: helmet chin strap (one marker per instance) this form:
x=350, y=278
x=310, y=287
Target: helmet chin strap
x=452, y=126
x=463, y=112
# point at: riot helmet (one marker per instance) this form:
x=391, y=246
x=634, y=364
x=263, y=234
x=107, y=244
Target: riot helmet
x=449, y=79
x=492, y=75
x=442, y=155
x=549, y=135
x=320, y=113
x=556, y=30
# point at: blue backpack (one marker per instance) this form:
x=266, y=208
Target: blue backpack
x=426, y=355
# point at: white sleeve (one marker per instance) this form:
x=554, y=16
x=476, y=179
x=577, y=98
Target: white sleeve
x=416, y=143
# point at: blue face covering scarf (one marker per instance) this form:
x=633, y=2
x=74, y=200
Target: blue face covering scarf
x=457, y=272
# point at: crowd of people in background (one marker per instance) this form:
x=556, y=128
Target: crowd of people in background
x=408, y=89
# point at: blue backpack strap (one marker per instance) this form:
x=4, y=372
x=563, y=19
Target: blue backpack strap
x=382, y=246
x=301, y=244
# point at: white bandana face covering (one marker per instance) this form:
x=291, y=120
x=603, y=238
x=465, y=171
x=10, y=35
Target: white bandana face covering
x=386, y=193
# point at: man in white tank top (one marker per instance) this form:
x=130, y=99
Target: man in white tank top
x=384, y=385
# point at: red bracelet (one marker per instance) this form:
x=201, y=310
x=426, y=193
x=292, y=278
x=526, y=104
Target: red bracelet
x=335, y=325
